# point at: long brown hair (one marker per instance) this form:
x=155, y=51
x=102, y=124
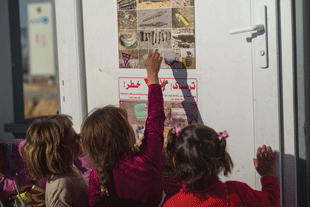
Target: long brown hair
x=106, y=138
x=199, y=155
x=45, y=151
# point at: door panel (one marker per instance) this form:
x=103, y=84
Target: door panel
x=225, y=65
x=238, y=91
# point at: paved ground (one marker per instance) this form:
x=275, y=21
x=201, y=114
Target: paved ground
x=41, y=98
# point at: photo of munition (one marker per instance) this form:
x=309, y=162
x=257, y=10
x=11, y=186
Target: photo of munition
x=128, y=39
x=183, y=38
x=182, y=3
x=140, y=1
x=188, y=58
x=127, y=4
x=159, y=14
x=154, y=18
x=127, y=19
x=152, y=39
x=171, y=58
x=157, y=24
x=186, y=37
x=153, y=4
x=183, y=17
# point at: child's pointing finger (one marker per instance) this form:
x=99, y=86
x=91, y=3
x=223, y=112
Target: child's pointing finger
x=258, y=153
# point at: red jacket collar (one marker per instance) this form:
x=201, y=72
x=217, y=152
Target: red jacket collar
x=207, y=188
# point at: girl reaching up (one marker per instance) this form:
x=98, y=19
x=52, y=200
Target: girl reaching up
x=199, y=156
x=123, y=175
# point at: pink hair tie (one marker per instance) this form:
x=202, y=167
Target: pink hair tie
x=222, y=135
x=176, y=130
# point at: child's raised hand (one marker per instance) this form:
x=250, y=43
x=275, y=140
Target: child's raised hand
x=265, y=162
x=153, y=63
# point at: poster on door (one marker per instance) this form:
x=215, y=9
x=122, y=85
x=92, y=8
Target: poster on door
x=164, y=26
x=180, y=102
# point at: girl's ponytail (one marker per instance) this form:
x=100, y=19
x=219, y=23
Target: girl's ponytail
x=104, y=180
x=227, y=163
x=171, y=148
x=105, y=200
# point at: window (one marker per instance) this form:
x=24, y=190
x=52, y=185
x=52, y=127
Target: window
x=38, y=58
x=34, y=62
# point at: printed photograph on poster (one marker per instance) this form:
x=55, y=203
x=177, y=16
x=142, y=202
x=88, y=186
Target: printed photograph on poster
x=137, y=113
x=188, y=58
x=182, y=3
x=173, y=55
x=128, y=39
x=127, y=19
x=154, y=18
x=128, y=59
x=158, y=38
x=126, y=4
x=183, y=17
x=165, y=25
x=183, y=38
x=167, y=53
x=174, y=112
x=143, y=54
x=152, y=4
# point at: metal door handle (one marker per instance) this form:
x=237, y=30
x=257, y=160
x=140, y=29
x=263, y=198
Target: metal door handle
x=258, y=27
x=260, y=41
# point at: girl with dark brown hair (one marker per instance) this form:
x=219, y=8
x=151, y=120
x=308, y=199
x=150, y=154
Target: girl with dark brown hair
x=199, y=155
x=123, y=175
x=49, y=150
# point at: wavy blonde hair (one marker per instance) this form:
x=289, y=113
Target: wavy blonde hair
x=45, y=150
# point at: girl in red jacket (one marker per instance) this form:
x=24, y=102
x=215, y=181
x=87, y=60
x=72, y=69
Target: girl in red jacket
x=199, y=156
x=125, y=176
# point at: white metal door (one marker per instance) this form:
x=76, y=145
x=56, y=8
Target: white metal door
x=240, y=81
x=236, y=94
x=238, y=75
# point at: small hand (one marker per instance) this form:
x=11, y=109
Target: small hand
x=265, y=162
x=153, y=63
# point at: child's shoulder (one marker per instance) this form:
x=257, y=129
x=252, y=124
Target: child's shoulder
x=82, y=164
x=93, y=176
x=175, y=200
x=93, y=172
x=188, y=198
x=58, y=182
x=234, y=186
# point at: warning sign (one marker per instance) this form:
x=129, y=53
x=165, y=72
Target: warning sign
x=126, y=58
x=176, y=90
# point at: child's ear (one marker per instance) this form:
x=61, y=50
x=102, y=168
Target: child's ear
x=2, y=160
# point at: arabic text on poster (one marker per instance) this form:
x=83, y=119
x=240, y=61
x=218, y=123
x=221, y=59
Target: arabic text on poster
x=176, y=90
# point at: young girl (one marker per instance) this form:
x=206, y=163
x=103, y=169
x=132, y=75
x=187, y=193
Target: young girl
x=49, y=150
x=13, y=175
x=199, y=155
x=124, y=176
